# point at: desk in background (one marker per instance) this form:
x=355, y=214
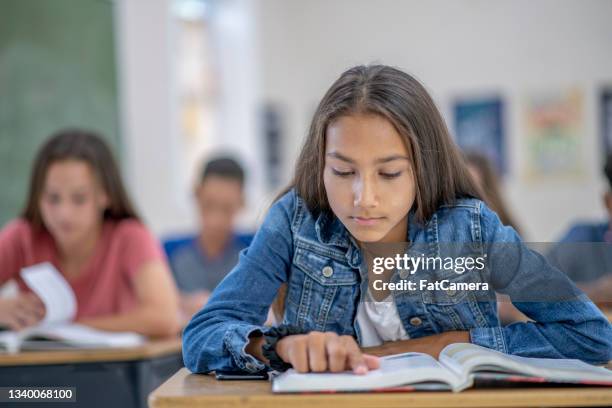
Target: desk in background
x=110, y=378
x=190, y=390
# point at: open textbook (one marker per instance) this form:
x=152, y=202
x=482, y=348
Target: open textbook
x=457, y=368
x=56, y=330
x=63, y=336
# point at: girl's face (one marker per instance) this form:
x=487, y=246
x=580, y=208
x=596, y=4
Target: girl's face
x=72, y=202
x=368, y=177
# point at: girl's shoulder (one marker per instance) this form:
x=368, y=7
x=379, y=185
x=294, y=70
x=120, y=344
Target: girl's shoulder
x=17, y=226
x=468, y=218
x=291, y=214
x=128, y=229
x=291, y=207
x=131, y=243
x=461, y=210
x=467, y=207
x=20, y=229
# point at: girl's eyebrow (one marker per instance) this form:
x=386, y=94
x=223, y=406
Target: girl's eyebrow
x=387, y=159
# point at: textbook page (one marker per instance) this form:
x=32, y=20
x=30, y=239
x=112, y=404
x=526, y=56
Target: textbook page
x=395, y=371
x=55, y=293
x=77, y=336
x=471, y=358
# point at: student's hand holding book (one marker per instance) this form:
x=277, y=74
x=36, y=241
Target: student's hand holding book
x=21, y=311
x=431, y=345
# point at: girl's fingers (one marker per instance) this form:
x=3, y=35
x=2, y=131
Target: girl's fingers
x=317, y=357
x=298, y=353
x=373, y=362
x=12, y=323
x=320, y=352
x=31, y=303
x=24, y=318
x=355, y=358
x=336, y=354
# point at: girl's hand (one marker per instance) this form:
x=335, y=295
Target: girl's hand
x=318, y=351
x=21, y=311
x=431, y=345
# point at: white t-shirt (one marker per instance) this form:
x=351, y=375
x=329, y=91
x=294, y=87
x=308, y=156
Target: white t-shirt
x=379, y=321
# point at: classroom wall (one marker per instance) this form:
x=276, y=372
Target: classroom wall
x=455, y=47
x=286, y=53
x=57, y=69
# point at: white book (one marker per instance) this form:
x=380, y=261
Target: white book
x=459, y=364
x=65, y=336
x=56, y=330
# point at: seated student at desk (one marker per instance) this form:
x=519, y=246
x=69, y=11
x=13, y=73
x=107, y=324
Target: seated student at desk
x=79, y=218
x=585, y=251
x=200, y=262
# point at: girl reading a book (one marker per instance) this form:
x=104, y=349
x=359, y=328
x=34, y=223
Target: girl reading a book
x=379, y=168
x=79, y=218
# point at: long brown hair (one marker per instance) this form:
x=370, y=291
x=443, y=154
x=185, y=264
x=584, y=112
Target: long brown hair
x=440, y=171
x=89, y=147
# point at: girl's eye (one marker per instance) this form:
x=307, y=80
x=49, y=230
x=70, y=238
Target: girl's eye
x=342, y=173
x=391, y=175
x=52, y=198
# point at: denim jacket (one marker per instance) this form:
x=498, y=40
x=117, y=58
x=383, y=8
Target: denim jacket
x=322, y=266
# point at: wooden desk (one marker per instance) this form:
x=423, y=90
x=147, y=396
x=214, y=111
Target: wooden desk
x=190, y=390
x=115, y=378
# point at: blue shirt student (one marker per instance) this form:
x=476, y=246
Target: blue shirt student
x=379, y=169
x=194, y=270
x=585, y=252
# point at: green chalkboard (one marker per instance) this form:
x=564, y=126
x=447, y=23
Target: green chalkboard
x=57, y=69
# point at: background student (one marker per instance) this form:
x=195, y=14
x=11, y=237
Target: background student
x=79, y=218
x=585, y=251
x=199, y=263
x=378, y=166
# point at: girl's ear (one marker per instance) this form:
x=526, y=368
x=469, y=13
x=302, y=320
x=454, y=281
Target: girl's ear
x=242, y=200
x=103, y=199
x=100, y=196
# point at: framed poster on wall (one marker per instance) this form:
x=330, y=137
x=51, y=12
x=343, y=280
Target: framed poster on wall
x=479, y=126
x=553, y=134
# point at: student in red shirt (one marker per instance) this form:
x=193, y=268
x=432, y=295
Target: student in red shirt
x=79, y=217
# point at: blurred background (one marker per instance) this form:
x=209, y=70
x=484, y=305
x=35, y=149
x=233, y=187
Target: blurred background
x=172, y=82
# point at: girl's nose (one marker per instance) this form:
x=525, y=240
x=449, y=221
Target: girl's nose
x=365, y=194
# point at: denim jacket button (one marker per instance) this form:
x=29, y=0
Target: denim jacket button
x=415, y=321
x=328, y=271
x=404, y=274
x=451, y=292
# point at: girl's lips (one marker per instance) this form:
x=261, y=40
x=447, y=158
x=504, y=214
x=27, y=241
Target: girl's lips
x=367, y=221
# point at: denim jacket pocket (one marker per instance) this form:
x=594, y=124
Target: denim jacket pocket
x=322, y=292
x=454, y=309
